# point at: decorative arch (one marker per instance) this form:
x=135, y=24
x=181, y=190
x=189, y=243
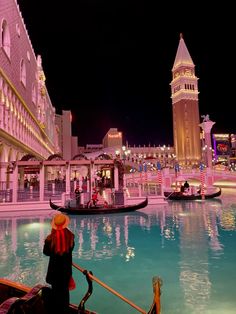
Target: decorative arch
x=17, y=156
x=12, y=155
x=55, y=157
x=2, y=153
x=28, y=157
x=5, y=153
x=103, y=157
x=80, y=157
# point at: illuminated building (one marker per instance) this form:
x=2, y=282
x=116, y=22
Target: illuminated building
x=222, y=148
x=27, y=117
x=113, y=138
x=28, y=126
x=184, y=94
x=68, y=143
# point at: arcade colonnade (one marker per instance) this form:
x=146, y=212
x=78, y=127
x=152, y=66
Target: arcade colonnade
x=49, y=174
x=21, y=132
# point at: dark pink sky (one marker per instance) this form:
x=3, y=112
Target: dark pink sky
x=109, y=62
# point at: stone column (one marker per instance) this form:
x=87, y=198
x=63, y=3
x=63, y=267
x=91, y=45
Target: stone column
x=15, y=183
x=68, y=178
x=116, y=179
x=42, y=182
x=207, y=126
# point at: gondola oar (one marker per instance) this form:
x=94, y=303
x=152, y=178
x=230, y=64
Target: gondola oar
x=109, y=288
x=170, y=195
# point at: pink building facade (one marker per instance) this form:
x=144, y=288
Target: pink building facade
x=27, y=116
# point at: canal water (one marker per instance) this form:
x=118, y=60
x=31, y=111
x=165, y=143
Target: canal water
x=190, y=245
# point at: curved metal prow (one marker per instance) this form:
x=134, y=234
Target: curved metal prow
x=81, y=307
x=156, y=282
x=92, y=277
x=156, y=304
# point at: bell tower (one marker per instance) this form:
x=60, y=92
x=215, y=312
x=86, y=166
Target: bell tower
x=185, y=109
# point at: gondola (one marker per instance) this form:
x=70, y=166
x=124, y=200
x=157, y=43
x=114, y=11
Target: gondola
x=99, y=209
x=179, y=196
x=16, y=298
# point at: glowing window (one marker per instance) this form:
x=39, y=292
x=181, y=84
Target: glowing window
x=23, y=72
x=34, y=94
x=5, y=38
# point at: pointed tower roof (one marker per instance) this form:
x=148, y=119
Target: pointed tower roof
x=182, y=56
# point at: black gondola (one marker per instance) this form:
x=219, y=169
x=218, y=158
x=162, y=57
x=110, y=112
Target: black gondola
x=179, y=196
x=18, y=298
x=108, y=209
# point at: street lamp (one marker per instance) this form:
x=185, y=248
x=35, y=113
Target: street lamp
x=125, y=154
x=117, y=153
x=75, y=174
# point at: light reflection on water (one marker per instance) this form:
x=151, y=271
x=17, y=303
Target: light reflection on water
x=190, y=245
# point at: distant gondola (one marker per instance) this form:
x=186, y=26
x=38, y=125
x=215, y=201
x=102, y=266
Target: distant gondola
x=179, y=196
x=99, y=209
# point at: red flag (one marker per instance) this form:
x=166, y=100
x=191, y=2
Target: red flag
x=202, y=179
x=159, y=177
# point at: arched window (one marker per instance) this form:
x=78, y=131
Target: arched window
x=23, y=72
x=18, y=29
x=5, y=37
x=34, y=94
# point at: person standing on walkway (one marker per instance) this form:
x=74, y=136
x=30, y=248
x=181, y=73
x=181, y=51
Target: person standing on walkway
x=59, y=245
x=78, y=192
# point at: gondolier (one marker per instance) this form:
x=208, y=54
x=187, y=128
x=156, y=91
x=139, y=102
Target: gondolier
x=78, y=192
x=179, y=196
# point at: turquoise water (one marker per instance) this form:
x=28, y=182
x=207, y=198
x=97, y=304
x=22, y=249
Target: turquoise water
x=190, y=245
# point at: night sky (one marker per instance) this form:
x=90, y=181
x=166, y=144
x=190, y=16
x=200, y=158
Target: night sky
x=110, y=62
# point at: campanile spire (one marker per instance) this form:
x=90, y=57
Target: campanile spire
x=184, y=94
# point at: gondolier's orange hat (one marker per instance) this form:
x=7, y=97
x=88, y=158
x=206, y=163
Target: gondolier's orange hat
x=60, y=221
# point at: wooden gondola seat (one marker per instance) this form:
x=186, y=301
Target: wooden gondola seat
x=10, y=306
x=34, y=301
